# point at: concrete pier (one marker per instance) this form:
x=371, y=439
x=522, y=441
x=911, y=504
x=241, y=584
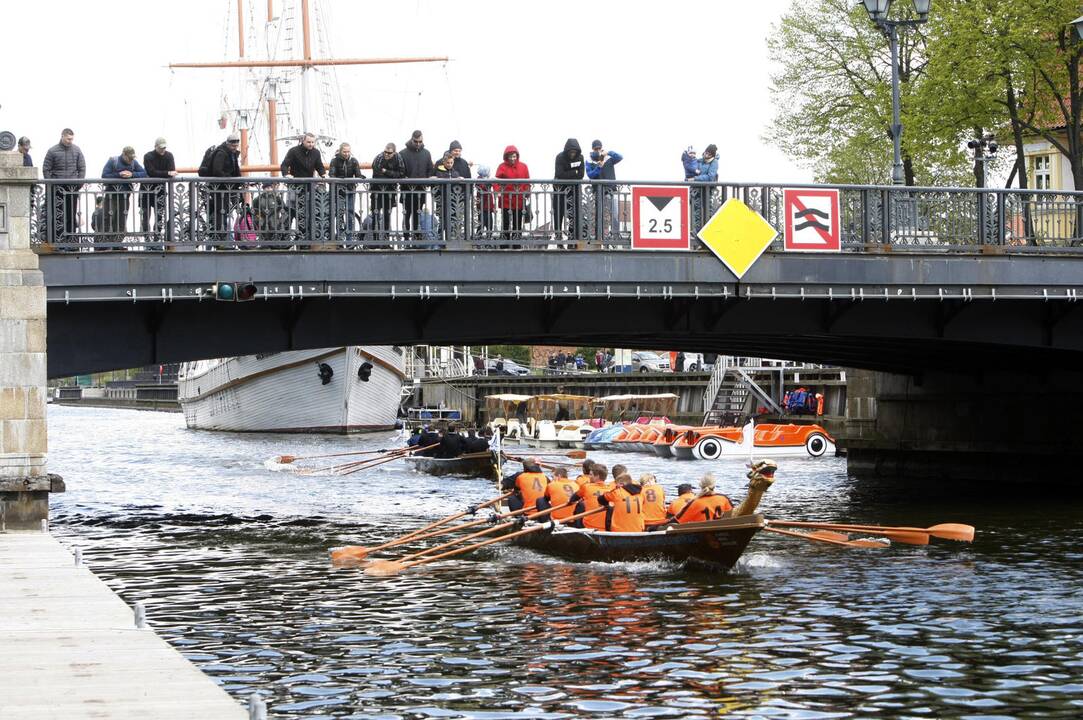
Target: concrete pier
x=71, y=649
x=24, y=482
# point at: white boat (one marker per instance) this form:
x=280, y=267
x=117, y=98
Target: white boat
x=295, y=391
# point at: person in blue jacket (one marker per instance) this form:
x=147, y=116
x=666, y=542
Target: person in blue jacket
x=118, y=195
x=707, y=166
x=600, y=167
x=690, y=163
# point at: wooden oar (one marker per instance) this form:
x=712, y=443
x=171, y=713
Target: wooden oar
x=944, y=531
x=356, y=553
x=393, y=568
x=830, y=541
x=367, y=464
x=389, y=455
x=287, y=459
x=903, y=536
x=573, y=454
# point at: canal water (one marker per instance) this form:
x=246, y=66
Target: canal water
x=229, y=553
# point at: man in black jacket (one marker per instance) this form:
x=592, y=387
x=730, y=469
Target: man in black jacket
x=387, y=165
x=345, y=165
x=418, y=164
x=158, y=163
x=225, y=163
x=302, y=161
x=569, y=166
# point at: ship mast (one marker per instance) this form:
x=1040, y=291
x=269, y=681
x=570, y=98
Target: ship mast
x=307, y=64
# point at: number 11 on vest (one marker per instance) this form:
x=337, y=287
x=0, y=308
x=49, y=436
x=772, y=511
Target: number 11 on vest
x=660, y=218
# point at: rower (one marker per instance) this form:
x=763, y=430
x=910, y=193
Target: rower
x=590, y=494
x=708, y=505
x=584, y=478
x=474, y=443
x=428, y=437
x=624, y=506
x=528, y=485
x=559, y=491
x=452, y=444
x=685, y=495
x=654, y=502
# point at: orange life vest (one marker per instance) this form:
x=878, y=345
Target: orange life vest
x=625, y=511
x=654, y=504
x=705, y=507
x=679, y=502
x=531, y=486
x=590, y=492
x=559, y=492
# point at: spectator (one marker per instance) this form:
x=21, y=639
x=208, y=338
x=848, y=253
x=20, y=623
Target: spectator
x=118, y=195
x=221, y=197
x=513, y=197
x=601, y=167
x=271, y=217
x=345, y=165
x=679, y=365
x=418, y=163
x=303, y=161
x=444, y=195
x=97, y=218
x=707, y=166
x=705, y=171
x=599, y=360
x=387, y=165
x=158, y=163
x=569, y=166
x=484, y=204
x=24, y=150
x=688, y=160
x=461, y=166
x=65, y=161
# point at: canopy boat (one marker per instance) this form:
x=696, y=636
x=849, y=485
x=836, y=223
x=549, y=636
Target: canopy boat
x=507, y=412
x=778, y=440
x=472, y=465
x=636, y=407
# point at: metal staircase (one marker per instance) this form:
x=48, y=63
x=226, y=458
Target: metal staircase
x=733, y=382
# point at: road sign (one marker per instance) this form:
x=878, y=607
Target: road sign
x=737, y=235
x=659, y=218
x=812, y=220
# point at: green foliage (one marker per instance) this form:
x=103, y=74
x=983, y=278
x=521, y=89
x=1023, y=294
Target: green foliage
x=518, y=353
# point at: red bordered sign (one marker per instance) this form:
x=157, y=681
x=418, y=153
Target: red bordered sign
x=660, y=218
x=812, y=220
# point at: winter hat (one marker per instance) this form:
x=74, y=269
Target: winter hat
x=483, y=171
x=596, y=144
x=455, y=145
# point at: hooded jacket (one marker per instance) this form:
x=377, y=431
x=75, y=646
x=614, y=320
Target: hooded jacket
x=570, y=164
x=416, y=160
x=513, y=196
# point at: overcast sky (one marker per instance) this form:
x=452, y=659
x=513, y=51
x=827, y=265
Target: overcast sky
x=647, y=78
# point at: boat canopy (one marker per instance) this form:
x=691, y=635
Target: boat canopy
x=633, y=406
x=546, y=407
x=504, y=405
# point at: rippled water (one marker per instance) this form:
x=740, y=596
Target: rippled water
x=229, y=554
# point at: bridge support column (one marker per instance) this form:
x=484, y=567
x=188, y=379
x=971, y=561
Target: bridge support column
x=995, y=427
x=24, y=483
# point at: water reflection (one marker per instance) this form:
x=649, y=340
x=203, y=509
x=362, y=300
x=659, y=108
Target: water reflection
x=230, y=557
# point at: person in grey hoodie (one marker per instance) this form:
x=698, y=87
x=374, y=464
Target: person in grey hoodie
x=569, y=166
x=65, y=161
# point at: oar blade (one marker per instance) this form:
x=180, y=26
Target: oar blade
x=285, y=459
x=349, y=555
x=384, y=568
x=953, y=531
x=577, y=454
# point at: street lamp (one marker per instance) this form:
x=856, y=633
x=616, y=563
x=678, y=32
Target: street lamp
x=878, y=12
x=1078, y=25
x=985, y=149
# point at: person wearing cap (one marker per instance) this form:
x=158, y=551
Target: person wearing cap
x=118, y=195
x=708, y=505
x=225, y=163
x=159, y=163
x=685, y=494
x=387, y=165
x=601, y=167
x=24, y=150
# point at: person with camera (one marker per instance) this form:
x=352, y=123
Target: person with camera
x=601, y=167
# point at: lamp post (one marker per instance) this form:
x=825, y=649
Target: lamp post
x=985, y=149
x=878, y=12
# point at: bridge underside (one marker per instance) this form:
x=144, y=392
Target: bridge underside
x=900, y=337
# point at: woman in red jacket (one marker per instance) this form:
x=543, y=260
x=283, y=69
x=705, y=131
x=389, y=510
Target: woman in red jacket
x=513, y=196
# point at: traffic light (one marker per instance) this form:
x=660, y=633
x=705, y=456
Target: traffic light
x=246, y=291
x=365, y=371
x=226, y=292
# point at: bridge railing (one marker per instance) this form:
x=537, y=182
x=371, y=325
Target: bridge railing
x=197, y=214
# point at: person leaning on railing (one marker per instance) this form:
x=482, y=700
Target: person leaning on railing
x=387, y=165
x=118, y=195
x=303, y=160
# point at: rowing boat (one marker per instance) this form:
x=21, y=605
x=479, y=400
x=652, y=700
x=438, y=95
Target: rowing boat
x=473, y=465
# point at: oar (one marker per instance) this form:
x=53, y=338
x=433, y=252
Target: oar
x=287, y=459
x=389, y=455
x=944, y=531
x=392, y=568
x=573, y=454
x=358, y=552
x=487, y=531
x=367, y=464
x=830, y=541
x=903, y=536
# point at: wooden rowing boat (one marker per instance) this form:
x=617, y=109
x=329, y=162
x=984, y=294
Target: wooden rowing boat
x=473, y=465
x=713, y=545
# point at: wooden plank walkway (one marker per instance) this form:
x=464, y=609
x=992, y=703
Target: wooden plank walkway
x=69, y=648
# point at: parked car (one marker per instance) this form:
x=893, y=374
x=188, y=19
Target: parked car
x=643, y=361
x=510, y=368
x=694, y=362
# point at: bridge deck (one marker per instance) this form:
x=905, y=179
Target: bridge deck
x=71, y=649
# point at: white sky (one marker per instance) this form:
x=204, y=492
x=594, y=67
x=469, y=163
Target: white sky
x=648, y=78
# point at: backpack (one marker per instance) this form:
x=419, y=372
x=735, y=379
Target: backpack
x=205, y=164
x=244, y=231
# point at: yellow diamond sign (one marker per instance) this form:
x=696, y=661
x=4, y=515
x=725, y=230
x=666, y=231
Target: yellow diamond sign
x=737, y=235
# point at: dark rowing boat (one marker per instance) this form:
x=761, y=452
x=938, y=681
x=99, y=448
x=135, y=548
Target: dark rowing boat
x=714, y=545
x=474, y=465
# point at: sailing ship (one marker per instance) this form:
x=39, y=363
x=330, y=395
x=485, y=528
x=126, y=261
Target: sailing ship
x=335, y=390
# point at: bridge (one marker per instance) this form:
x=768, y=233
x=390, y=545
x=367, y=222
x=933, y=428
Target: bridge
x=932, y=284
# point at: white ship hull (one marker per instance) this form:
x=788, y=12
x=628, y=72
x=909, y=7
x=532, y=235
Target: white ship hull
x=283, y=392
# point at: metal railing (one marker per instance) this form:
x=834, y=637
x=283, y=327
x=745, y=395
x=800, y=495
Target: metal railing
x=192, y=214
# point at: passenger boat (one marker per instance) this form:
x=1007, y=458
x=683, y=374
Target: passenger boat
x=472, y=465
x=776, y=440
x=330, y=390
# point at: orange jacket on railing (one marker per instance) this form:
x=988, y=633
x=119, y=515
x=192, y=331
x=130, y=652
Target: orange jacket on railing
x=512, y=196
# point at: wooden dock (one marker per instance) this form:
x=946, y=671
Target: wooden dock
x=69, y=647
